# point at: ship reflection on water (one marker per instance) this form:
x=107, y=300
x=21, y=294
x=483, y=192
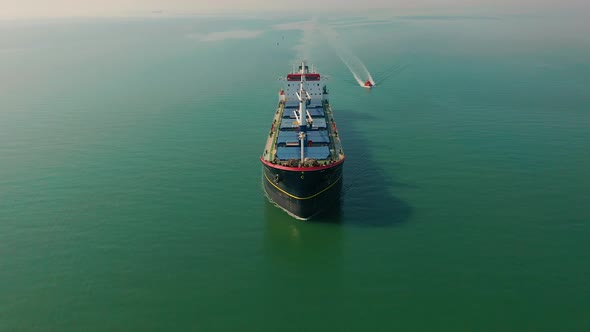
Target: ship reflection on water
x=296, y=242
x=304, y=264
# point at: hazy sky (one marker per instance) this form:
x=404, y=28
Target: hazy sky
x=60, y=8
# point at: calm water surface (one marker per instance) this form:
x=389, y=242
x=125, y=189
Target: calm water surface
x=130, y=185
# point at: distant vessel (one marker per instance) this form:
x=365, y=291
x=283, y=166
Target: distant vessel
x=303, y=159
x=368, y=84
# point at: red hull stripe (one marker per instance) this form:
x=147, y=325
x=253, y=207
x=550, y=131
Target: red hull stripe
x=301, y=169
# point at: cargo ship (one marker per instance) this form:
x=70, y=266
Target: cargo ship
x=303, y=160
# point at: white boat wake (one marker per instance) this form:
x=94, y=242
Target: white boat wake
x=358, y=70
x=310, y=28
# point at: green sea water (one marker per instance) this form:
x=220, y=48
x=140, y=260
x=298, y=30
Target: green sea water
x=131, y=195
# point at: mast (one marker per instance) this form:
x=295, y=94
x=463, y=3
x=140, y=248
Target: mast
x=303, y=97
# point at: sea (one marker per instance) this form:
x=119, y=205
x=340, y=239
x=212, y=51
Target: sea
x=131, y=191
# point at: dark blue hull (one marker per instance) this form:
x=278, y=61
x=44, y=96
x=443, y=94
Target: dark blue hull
x=303, y=193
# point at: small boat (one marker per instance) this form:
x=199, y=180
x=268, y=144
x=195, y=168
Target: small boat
x=368, y=84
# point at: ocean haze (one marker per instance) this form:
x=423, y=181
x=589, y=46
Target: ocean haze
x=71, y=8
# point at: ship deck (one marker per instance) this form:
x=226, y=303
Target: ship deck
x=283, y=146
